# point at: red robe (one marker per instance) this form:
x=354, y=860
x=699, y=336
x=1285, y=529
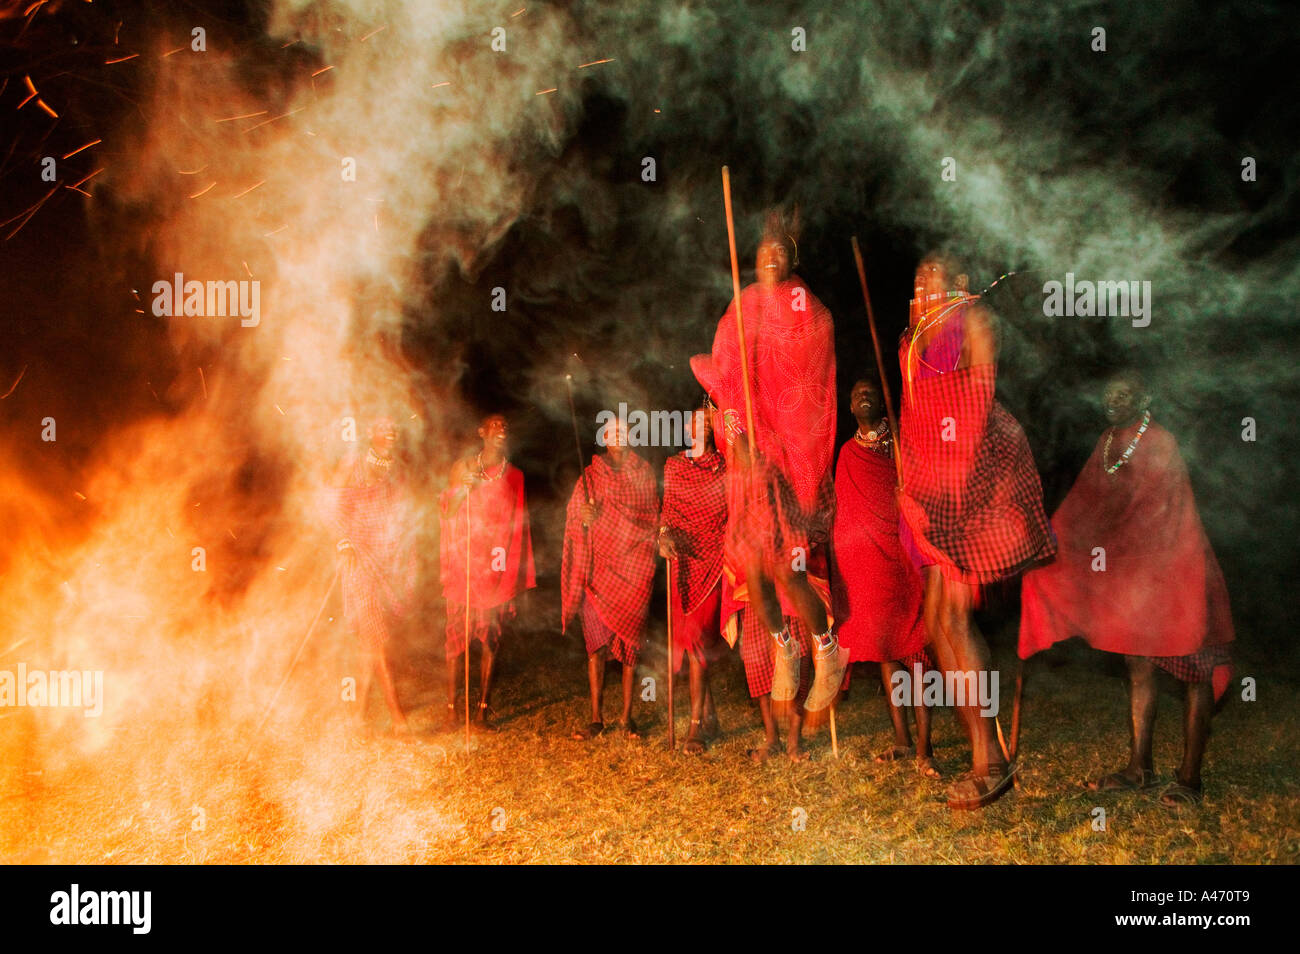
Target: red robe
x=1161, y=593
x=875, y=587
x=972, y=498
x=379, y=583
x=501, y=548
x=791, y=362
x=695, y=509
x=613, y=562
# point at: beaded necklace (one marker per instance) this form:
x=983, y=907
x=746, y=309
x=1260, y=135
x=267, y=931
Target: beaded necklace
x=483, y=475
x=1128, y=452
x=879, y=439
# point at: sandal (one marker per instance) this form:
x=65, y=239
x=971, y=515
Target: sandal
x=896, y=752
x=1178, y=795
x=760, y=754
x=971, y=791
x=482, y=721
x=629, y=727
x=589, y=731
x=928, y=767
x=1119, y=782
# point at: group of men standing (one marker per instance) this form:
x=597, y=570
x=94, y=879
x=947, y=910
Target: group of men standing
x=812, y=562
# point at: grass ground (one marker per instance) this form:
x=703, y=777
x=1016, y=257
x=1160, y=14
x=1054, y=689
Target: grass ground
x=176, y=792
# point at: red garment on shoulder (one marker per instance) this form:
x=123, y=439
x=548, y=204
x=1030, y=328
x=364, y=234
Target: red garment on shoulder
x=1161, y=593
x=791, y=376
x=695, y=509
x=379, y=580
x=875, y=588
x=786, y=502
x=972, y=498
x=498, y=515
x=613, y=562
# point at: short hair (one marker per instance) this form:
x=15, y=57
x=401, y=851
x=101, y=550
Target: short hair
x=1133, y=374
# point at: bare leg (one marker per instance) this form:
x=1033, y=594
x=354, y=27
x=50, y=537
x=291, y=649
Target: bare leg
x=1142, y=715
x=794, y=729
x=596, y=681
x=390, y=691
x=629, y=684
x=1197, y=710
x=486, y=663
x=699, y=682
x=897, y=713
x=770, y=738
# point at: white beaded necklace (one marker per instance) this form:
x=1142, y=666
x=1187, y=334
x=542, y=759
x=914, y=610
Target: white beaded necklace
x=1128, y=452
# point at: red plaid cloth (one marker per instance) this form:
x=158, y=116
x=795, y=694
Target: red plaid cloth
x=695, y=509
x=756, y=653
x=596, y=635
x=379, y=582
x=1211, y=664
x=973, y=503
x=485, y=626
x=501, y=542
x=697, y=631
x=786, y=502
x=612, y=563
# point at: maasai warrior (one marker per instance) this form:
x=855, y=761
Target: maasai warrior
x=608, y=568
x=692, y=528
x=377, y=549
x=780, y=505
x=500, y=557
x=875, y=585
x=1129, y=531
x=971, y=496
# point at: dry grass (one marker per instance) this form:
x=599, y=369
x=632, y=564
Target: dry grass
x=323, y=794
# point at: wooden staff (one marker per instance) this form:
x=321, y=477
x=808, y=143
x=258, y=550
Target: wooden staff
x=467, y=566
x=1014, y=747
x=672, y=734
x=880, y=363
x=582, y=469
x=740, y=321
x=744, y=365
x=296, y=656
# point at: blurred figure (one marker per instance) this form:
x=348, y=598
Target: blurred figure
x=780, y=505
x=608, y=567
x=875, y=585
x=376, y=528
x=1129, y=531
x=971, y=496
x=692, y=528
x=500, y=557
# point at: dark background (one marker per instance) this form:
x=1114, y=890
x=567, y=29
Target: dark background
x=632, y=276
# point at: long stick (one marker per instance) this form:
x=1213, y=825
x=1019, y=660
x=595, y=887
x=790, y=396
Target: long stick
x=880, y=363
x=296, y=656
x=740, y=321
x=1014, y=746
x=577, y=441
x=468, y=490
x=672, y=735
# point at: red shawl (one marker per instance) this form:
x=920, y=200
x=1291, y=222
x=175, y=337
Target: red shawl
x=613, y=562
x=791, y=363
x=875, y=588
x=376, y=518
x=974, y=502
x=695, y=509
x=1161, y=593
x=500, y=542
